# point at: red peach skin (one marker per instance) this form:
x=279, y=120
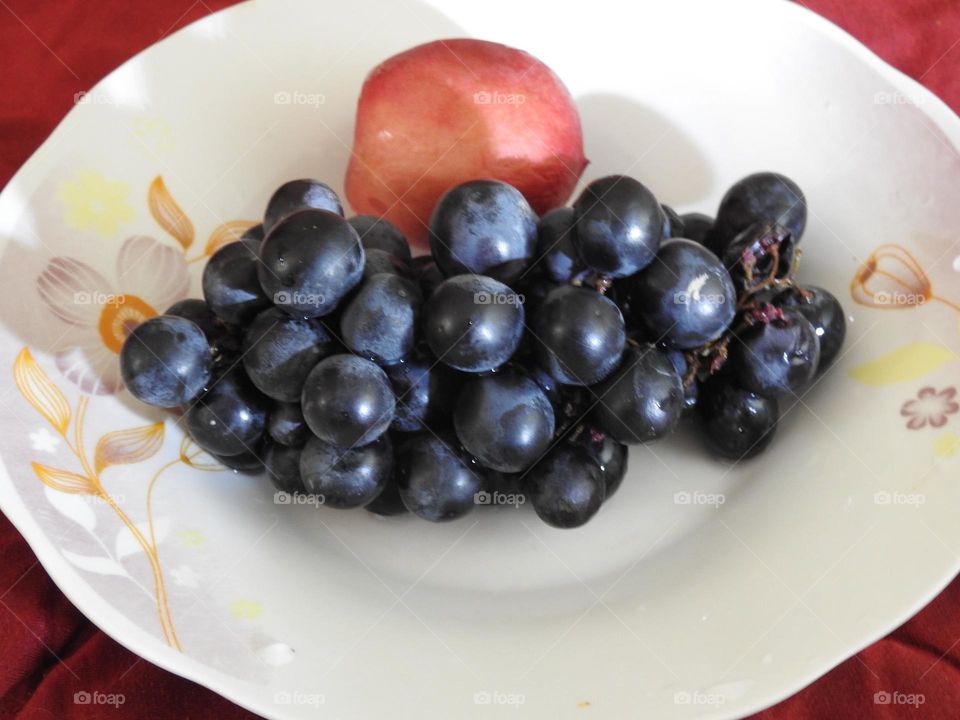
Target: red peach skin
x=449, y=111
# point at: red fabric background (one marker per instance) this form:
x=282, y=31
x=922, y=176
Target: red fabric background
x=49, y=651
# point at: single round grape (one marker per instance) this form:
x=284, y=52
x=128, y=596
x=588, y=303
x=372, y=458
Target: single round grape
x=348, y=401
x=686, y=299
x=643, y=399
x=777, y=355
x=377, y=262
x=609, y=455
x=388, y=502
x=166, y=361
x=580, y=335
x=346, y=478
x=437, y=481
x=697, y=227
x=380, y=234
x=299, y=195
x=286, y=424
x=619, y=226
x=567, y=487
x=824, y=312
x=673, y=226
x=248, y=463
x=280, y=351
x=230, y=418
x=735, y=423
x=504, y=420
x=230, y=284
x=198, y=312
x=484, y=227
x=425, y=390
x=556, y=250
x=757, y=252
x=380, y=321
x=764, y=197
x=309, y=262
x=473, y=323
x=282, y=464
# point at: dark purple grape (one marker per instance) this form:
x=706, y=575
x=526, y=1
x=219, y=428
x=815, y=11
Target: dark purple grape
x=686, y=299
x=556, y=252
x=642, y=400
x=484, y=227
x=580, y=335
x=764, y=197
x=388, y=503
x=504, y=420
x=777, y=354
x=348, y=401
x=377, y=262
x=619, y=226
x=248, y=463
x=426, y=391
x=299, y=195
x=380, y=234
x=673, y=226
x=758, y=252
x=282, y=464
x=286, y=424
x=230, y=284
x=437, y=481
x=567, y=487
x=473, y=323
x=824, y=312
x=166, y=361
x=230, y=418
x=380, y=321
x=280, y=351
x=697, y=227
x=735, y=423
x=609, y=455
x=309, y=262
x=346, y=478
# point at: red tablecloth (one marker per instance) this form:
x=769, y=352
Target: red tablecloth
x=49, y=651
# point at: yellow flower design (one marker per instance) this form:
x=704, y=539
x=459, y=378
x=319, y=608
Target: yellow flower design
x=946, y=445
x=191, y=538
x=91, y=202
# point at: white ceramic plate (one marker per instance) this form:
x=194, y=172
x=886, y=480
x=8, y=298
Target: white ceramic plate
x=671, y=604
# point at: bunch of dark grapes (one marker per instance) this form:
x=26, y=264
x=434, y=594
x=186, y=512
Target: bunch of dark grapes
x=518, y=360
